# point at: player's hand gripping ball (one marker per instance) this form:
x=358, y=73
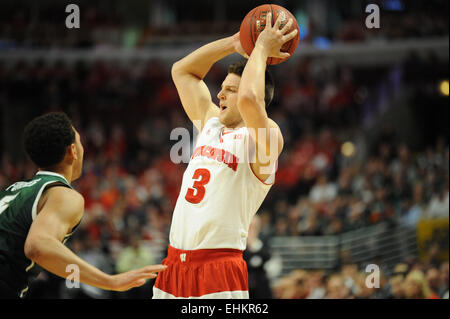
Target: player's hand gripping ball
x=255, y=22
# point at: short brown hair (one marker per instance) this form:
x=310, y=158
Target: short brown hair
x=238, y=68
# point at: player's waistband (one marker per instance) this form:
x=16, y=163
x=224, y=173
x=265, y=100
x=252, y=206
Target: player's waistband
x=201, y=255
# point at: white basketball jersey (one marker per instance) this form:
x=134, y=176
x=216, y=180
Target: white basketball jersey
x=219, y=194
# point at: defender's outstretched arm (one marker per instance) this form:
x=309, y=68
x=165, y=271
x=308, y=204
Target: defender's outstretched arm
x=61, y=211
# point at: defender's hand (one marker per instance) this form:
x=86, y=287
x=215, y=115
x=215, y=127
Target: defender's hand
x=272, y=38
x=134, y=278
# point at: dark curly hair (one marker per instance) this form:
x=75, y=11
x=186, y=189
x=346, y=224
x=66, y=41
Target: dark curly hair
x=238, y=68
x=47, y=137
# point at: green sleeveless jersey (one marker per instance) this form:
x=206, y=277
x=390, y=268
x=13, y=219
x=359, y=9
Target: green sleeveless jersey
x=18, y=209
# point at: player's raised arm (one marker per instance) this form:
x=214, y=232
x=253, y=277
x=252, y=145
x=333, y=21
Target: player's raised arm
x=251, y=103
x=61, y=212
x=189, y=72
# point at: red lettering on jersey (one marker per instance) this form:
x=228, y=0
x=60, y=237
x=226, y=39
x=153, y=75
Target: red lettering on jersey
x=217, y=154
x=233, y=163
x=196, y=152
x=206, y=151
x=226, y=157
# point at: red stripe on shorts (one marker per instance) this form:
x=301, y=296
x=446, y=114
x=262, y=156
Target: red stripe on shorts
x=194, y=273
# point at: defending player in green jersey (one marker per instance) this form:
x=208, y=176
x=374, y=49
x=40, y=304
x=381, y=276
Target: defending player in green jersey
x=37, y=216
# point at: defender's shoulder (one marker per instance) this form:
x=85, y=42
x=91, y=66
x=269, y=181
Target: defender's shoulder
x=65, y=195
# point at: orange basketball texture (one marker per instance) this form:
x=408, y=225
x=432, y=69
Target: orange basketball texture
x=255, y=22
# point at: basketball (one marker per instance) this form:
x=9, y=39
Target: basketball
x=254, y=23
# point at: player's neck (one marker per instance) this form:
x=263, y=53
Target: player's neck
x=66, y=172
x=235, y=126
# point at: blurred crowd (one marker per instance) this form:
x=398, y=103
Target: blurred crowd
x=331, y=177
x=25, y=24
x=392, y=185
x=408, y=281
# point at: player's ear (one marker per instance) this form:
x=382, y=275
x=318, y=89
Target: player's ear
x=72, y=152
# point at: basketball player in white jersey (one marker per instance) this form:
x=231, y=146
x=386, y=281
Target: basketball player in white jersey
x=226, y=181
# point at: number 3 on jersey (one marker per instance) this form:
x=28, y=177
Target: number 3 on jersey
x=195, y=195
